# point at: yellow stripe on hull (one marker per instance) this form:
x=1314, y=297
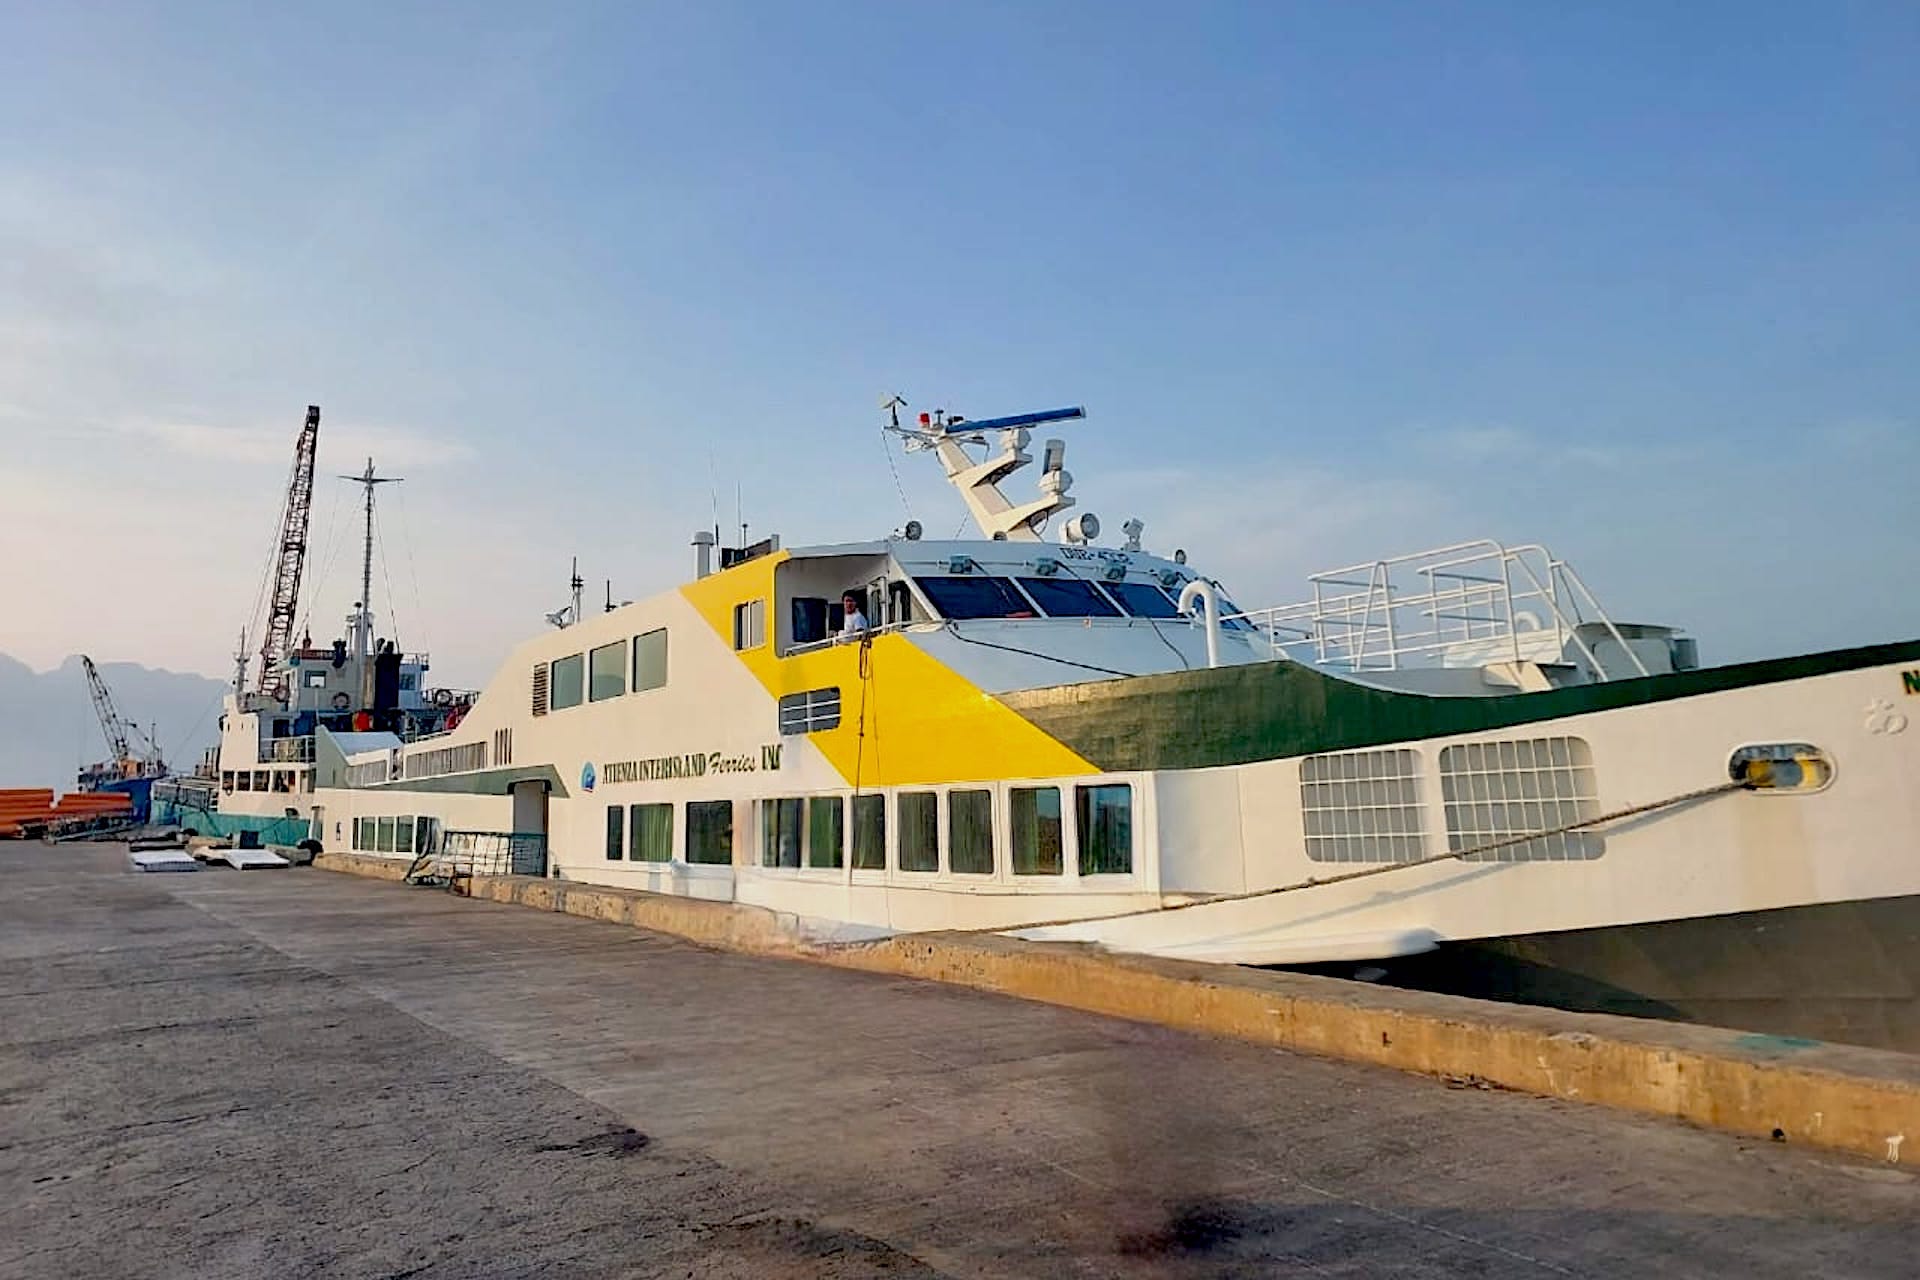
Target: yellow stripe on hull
x=923, y=723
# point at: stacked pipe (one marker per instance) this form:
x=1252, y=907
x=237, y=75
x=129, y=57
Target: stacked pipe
x=27, y=812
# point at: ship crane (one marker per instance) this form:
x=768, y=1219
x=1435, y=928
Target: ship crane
x=291, y=555
x=120, y=733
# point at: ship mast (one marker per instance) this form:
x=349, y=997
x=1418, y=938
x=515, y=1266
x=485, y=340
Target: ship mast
x=363, y=615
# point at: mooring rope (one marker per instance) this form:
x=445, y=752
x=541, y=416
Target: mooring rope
x=1316, y=882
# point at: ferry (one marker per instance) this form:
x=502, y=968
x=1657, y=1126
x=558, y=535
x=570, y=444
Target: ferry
x=1452, y=768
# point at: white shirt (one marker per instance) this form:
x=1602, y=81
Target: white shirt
x=853, y=626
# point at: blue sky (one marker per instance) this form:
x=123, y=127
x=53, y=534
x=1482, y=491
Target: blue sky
x=1333, y=281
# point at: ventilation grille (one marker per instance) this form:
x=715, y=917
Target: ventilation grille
x=1499, y=790
x=811, y=711
x=540, y=690
x=1362, y=806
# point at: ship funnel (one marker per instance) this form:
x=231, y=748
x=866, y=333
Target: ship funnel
x=703, y=553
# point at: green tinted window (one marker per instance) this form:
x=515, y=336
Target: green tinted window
x=919, y=813
x=780, y=833
x=710, y=832
x=616, y=831
x=650, y=660
x=970, y=832
x=870, y=833
x=564, y=687
x=1035, y=816
x=607, y=671
x=651, y=830
x=826, y=817
x=1103, y=820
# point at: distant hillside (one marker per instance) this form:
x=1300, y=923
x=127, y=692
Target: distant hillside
x=48, y=729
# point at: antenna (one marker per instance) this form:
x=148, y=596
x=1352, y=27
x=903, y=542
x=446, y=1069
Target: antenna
x=951, y=436
x=363, y=618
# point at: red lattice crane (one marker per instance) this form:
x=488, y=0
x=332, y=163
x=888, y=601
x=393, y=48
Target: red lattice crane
x=292, y=554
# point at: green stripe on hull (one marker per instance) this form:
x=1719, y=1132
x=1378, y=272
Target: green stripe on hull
x=1273, y=710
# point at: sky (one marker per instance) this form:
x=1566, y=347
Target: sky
x=1334, y=283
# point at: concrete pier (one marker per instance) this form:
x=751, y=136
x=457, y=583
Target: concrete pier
x=247, y=1074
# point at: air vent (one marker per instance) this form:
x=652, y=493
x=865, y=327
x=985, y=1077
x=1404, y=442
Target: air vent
x=540, y=689
x=810, y=712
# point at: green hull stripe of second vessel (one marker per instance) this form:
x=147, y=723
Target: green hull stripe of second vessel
x=1274, y=710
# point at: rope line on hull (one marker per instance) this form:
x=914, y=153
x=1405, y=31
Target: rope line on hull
x=1316, y=882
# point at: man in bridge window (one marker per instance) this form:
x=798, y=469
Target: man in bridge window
x=853, y=621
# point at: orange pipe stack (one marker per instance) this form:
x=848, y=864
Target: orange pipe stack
x=32, y=811
x=25, y=808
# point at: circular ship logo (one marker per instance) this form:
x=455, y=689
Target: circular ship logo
x=587, y=776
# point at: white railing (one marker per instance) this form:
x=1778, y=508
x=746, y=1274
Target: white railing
x=291, y=750
x=1469, y=604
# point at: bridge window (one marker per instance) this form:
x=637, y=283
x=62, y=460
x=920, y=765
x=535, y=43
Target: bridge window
x=564, y=689
x=650, y=660
x=780, y=833
x=651, y=829
x=1103, y=821
x=1069, y=598
x=1498, y=790
x=970, y=832
x=607, y=672
x=826, y=816
x=616, y=831
x=960, y=599
x=710, y=832
x=869, y=833
x=919, y=813
x=1143, y=599
x=1035, y=814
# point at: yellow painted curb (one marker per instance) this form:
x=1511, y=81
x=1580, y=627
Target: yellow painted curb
x=1864, y=1101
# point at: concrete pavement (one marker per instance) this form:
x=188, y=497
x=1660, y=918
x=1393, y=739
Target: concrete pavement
x=279, y=1073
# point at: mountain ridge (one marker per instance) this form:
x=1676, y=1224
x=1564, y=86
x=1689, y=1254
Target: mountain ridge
x=48, y=728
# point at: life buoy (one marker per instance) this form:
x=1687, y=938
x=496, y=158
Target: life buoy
x=341, y=702
x=280, y=693
x=443, y=697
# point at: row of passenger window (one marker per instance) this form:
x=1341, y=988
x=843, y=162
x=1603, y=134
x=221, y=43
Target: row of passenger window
x=603, y=673
x=812, y=831
x=281, y=780
x=644, y=833
x=387, y=835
